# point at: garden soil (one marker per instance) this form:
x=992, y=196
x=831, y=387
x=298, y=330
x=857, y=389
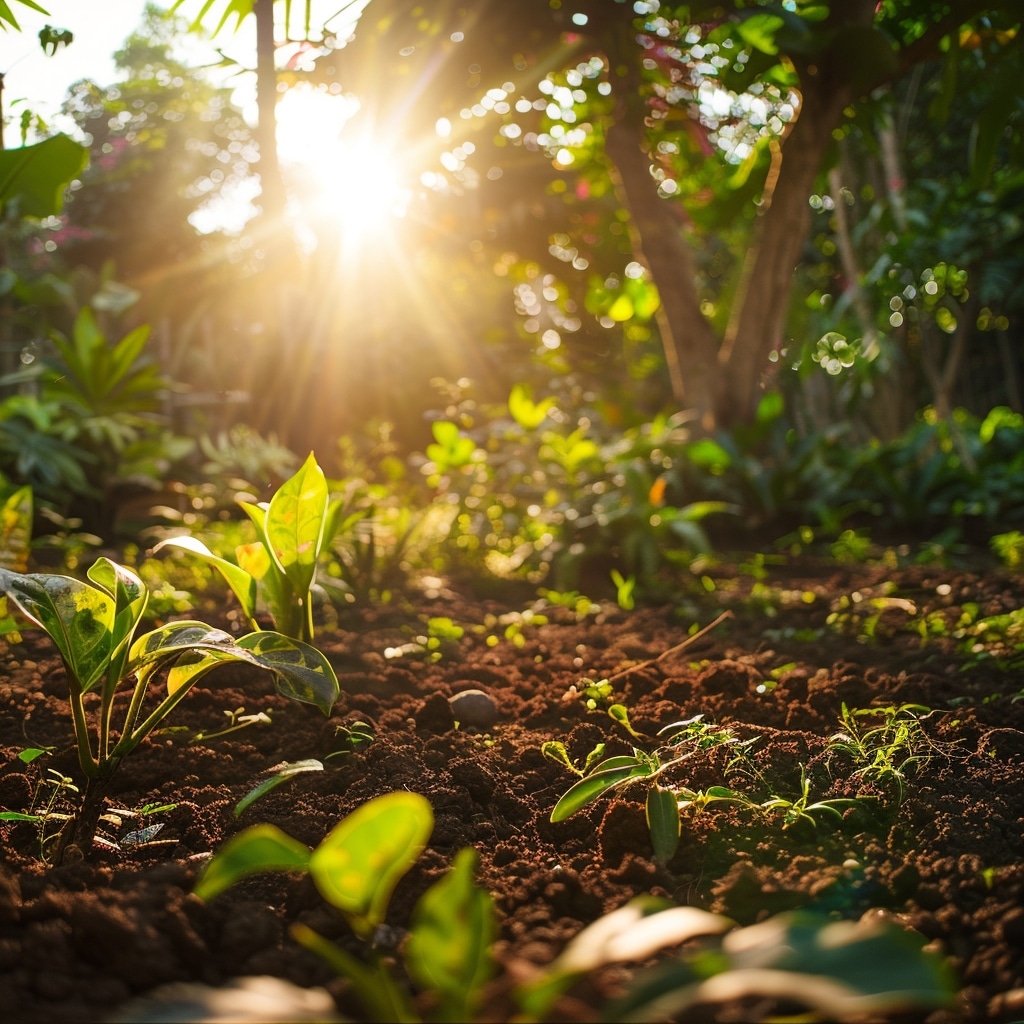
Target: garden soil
x=80, y=940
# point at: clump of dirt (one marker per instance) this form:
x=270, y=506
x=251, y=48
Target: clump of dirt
x=939, y=852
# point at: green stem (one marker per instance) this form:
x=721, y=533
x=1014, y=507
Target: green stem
x=130, y=740
x=90, y=765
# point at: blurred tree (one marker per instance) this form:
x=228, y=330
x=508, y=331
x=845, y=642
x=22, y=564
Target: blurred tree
x=709, y=123
x=917, y=262
x=164, y=143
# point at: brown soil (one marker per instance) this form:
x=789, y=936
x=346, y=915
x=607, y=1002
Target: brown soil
x=78, y=941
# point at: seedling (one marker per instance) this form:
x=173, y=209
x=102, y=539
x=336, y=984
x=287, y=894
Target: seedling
x=804, y=809
x=282, y=773
x=557, y=751
x=356, y=869
x=93, y=626
x=281, y=564
x=441, y=634
x=237, y=720
x=834, y=968
x=352, y=739
x=888, y=750
x=624, y=588
x=684, y=740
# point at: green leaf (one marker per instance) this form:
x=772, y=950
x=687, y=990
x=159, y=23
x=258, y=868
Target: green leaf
x=301, y=672
x=841, y=969
x=130, y=598
x=242, y=583
x=663, y=822
x=635, y=931
x=179, y=637
x=449, y=948
x=620, y=714
x=36, y=176
x=525, y=411
x=758, y=30
x=289, y=771
x=16, y=529
x=358, y=865
x=616, y=771
x=257, y=849
x=556, y=750
x=78, y=618
x=295, y=524
x=7, y=15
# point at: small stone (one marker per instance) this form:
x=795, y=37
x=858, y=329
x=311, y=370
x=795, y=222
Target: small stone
x=474, y=708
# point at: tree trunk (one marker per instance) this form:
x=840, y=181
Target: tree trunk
x=688, y=339
x=762, y=302
x=272, y=196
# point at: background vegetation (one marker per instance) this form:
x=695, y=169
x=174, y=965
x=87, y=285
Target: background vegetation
x=574, y=286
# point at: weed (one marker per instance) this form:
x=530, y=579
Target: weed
x=889, y=743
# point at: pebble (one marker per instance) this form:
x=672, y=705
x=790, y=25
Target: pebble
x=474, y=708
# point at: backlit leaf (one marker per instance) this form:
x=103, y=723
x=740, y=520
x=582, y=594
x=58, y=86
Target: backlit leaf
x=358, y=865
x=257, y=849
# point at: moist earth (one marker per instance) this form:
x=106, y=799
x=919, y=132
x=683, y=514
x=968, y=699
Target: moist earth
x=939, y=851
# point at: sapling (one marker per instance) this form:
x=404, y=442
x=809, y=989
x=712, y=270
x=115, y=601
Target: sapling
x=292, y=529
x=93, y=626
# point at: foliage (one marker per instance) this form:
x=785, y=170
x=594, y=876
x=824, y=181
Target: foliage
x=356, y=868
x=888, y=743
x=538, y=494
x=93, y=626
x=92, y=430
x=292, y=528
x=683, y=741
x=835, y=968
x=33, y=178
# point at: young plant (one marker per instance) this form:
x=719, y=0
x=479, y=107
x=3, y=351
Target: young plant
x=839, y=970
x=281, y=564
x=803, y=808
x=684, y=740
x=888, y=750
x=356, y=869
x=93, y=626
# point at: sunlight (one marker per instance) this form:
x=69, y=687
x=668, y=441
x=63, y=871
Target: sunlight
x=344, y=176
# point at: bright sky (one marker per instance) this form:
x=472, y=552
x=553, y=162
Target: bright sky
x=99, y=27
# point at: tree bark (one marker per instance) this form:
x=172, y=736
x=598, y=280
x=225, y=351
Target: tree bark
x=688, y=339
x=272, y=195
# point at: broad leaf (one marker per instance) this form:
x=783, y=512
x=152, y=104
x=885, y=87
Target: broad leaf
x=295, y=524
x=16, y=530
x=77, y=617
x=635, y=931
x=450, y=938
x=841, y=969
x=242, y=583
x=358, y=865
x=178, y=638
x=301, y=672
x=37, y=175
x=257, y=849
x=130, y=599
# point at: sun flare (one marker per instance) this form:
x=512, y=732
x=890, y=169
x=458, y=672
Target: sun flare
x=342, y=173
